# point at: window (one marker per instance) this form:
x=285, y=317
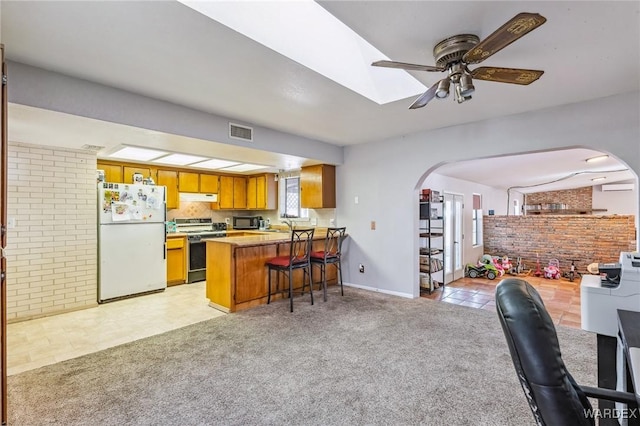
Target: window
x=476, y=232
x=289, y=200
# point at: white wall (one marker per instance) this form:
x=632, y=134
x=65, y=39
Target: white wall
x=52, y=243
x=492, y=199
x=387, y=175
x=40, y=88
x=615, y=202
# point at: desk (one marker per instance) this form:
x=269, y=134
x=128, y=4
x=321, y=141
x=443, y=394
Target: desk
x=599, y=311
x=629, y=333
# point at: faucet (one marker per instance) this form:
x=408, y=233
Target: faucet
x=289, y=224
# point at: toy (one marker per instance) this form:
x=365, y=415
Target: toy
x=482, y=270
x=507, y=266
x=538, y=272
x=485, y=267
x=552, y=271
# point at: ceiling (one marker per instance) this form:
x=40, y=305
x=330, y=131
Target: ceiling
x=167, y=51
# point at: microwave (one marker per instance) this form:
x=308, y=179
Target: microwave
x=246, y=222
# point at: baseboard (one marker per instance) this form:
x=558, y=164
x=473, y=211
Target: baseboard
x=379, y=290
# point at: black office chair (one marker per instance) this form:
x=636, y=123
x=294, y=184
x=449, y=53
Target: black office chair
x=330, y=255
x=554, y=397
x=298, y=258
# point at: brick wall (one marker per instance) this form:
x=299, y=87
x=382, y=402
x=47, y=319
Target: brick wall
x=52, y=250
x=578, y=199
x=585, y=238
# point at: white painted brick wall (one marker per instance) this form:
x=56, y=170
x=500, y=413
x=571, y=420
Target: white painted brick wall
x=52, y=251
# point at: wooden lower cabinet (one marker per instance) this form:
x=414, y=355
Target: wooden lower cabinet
x=237, y=277
x=176, y=260
x=251, y=272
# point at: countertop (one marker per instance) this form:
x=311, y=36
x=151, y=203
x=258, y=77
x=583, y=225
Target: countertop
x=257, y=238
x=176, y=234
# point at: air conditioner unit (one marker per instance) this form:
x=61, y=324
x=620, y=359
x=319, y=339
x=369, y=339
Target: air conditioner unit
x=617, y=187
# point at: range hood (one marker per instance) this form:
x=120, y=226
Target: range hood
x=192, y=196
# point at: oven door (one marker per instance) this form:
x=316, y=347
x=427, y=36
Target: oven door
x=197, y=256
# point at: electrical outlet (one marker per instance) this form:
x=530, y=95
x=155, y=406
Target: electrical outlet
x=373, y=225
x=361, y=268
x=227, y=220
x=314, y=221
x=332, y=222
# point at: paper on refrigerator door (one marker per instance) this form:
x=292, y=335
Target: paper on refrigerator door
x=120, y=211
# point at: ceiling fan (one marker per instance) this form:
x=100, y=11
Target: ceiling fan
x=453, y=54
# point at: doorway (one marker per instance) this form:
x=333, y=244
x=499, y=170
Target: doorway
x=453, y=233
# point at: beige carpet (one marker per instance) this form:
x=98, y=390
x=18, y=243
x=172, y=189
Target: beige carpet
x=362, y=359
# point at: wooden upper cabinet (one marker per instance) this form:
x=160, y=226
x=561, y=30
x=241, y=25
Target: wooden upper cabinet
x=318, y=187
x=129, y=171
x=257, y=192
x=240, y=192
x=252, y=192
x=262, y=192
x=188, y=182
x=232, y=193
x=209, y=184
x=225, y=192
x=169, y=178
x=112, y=172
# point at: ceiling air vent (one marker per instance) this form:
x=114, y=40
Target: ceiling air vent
x=240, y=132
x=94, y=148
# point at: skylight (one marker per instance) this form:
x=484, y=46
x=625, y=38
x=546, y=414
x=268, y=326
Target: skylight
x=305, y=32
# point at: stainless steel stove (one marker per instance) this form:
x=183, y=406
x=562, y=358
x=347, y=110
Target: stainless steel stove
x=197, y=230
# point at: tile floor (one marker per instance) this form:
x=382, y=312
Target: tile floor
x=561, y=297
x=43, y=341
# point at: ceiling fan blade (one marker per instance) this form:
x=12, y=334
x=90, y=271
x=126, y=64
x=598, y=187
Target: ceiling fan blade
x=406, y=66
x=517, y=27
x=425, y=97
x=506, y=75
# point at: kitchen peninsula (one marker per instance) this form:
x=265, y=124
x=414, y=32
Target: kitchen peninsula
x=236, y=274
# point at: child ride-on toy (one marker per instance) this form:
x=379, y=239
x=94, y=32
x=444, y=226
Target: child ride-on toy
x=552, y=271
x=482, y=270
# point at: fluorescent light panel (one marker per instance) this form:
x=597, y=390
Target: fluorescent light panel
x=305, y=32
x=244, y=168
x=214, y=164
x=140, y=154
x=179, y=159
x=596, y=159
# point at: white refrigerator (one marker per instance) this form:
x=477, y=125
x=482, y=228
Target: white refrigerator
x=131, y=240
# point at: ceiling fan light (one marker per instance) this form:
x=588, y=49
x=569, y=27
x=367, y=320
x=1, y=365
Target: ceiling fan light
x=443, y=89
x=466, y=86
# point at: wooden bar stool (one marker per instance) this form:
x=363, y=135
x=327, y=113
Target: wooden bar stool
x=298, y=258
x=330, y=256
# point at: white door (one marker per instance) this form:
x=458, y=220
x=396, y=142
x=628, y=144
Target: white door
x=132, y=259
x=453, y=226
